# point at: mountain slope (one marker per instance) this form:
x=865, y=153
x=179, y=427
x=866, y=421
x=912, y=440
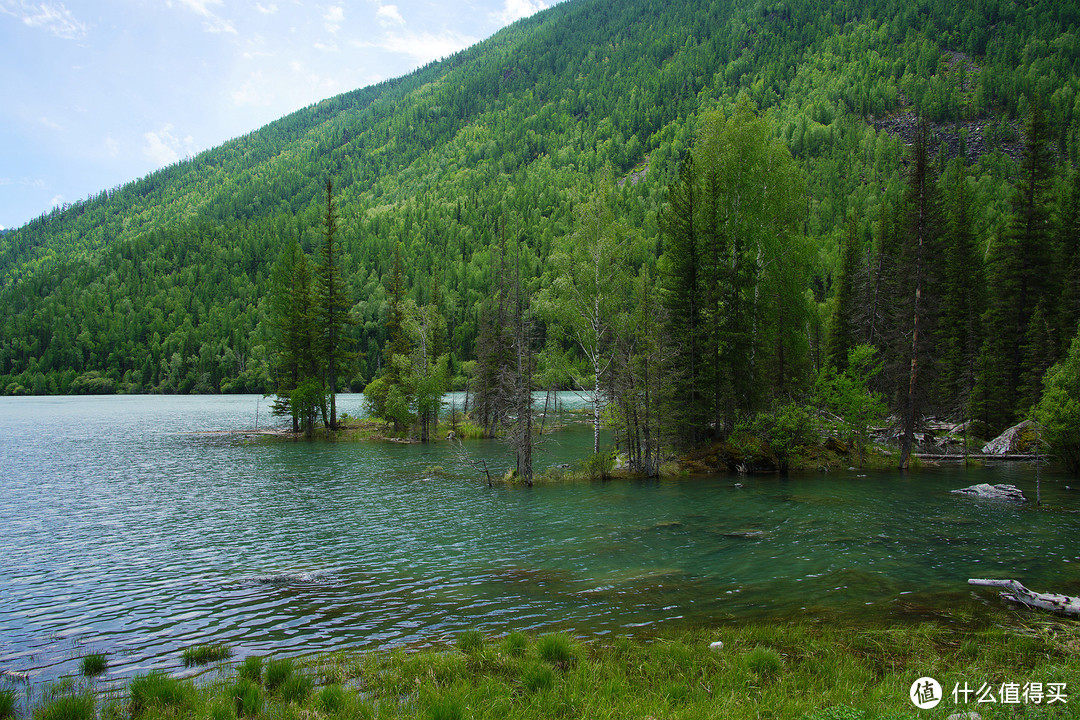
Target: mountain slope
x=160, y=284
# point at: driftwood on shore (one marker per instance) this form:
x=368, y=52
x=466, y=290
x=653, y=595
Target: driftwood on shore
x=1017, y=593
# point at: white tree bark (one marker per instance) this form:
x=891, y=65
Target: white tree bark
x=1017, y=593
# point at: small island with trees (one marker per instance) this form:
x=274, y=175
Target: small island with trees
x=709, y=347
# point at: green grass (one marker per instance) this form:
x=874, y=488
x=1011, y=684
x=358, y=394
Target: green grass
x=205, y=654
x=278, y=671
x=470, y=642
x=7, y=703
x=67, y=707
x=774, y=669
x=470, y=431
x=158, y=693
x=557, y=648
x=251, y=669
x=331, y=700
x=764, y=662
x=94, y=665
x=296, y=688
x=247, y=698
x=515, y=644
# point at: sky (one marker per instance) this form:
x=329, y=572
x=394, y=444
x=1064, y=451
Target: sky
x=97, y=93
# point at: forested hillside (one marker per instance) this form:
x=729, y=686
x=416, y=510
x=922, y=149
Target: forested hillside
x=493, y=158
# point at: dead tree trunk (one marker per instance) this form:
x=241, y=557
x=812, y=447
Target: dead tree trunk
x=1017, y=593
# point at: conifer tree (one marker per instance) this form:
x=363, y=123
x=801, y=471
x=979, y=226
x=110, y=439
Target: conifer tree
x=1067, y=262
x=842, y=331
x=298, y=370
x=495, y=361
x=1018, y=274
x=333, y=305
x=682, y=291
x=397, y=341
x=922, y=244
x=963, y=299
x=729, y=227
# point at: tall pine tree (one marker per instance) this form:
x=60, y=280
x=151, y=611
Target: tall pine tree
x=843, y=328
x=922, y=244
x=963, y=299
x=333, y=305
x=1019, y=271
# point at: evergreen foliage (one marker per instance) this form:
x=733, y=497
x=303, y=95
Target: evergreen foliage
x=1019, y=273
x=731, y=242
x=1058, y=411
x=724, y=148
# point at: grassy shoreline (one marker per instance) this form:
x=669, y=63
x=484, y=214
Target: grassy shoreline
x=816, y=671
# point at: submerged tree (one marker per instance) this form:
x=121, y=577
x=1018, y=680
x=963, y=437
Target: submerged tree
x=644, y=377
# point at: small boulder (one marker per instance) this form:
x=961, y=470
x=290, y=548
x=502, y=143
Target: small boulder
x=993, y=492
x=1017, y=439
x=716, y=646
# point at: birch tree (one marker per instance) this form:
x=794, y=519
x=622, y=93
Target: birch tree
x=586, y=296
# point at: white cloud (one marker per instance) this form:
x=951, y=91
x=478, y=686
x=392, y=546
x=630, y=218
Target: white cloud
x=214, y=23
x=517, y=9
x=334, y=17
x=388, y=15
x=56, y=201
x=164, y=148
x=270, y=9
x=112, y=148
x=254, y=92
x=200, y=7
x=49, y=123
x=423, y=47
x=49, y=16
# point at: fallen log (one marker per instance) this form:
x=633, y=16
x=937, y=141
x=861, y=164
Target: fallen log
x=1017, y=593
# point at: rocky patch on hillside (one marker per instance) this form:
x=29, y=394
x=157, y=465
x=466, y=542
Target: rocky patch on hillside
x=983, y=135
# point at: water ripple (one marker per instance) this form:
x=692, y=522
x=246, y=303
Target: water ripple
x=127, y=536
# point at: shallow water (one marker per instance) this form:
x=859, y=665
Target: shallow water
x=127, y=531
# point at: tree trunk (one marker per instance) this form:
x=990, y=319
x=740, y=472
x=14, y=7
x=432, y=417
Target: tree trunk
x=1017, y=593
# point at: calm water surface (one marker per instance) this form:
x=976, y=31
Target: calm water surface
x=125, y=529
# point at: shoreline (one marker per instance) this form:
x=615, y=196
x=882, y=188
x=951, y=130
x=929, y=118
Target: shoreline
x=799, y=669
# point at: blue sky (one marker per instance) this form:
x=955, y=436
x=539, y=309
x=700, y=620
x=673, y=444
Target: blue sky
x=96, y=93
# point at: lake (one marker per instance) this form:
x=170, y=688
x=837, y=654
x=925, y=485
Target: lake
x=126, y=529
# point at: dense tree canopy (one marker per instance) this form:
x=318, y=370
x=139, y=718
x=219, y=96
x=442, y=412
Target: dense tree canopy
x=740, y=144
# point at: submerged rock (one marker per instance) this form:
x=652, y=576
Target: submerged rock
x=318, y=577
x=993, y=492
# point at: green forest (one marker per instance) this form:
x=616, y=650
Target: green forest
x=709, y=215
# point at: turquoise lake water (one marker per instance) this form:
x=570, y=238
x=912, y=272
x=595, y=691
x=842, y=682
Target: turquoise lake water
x=128, y=531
